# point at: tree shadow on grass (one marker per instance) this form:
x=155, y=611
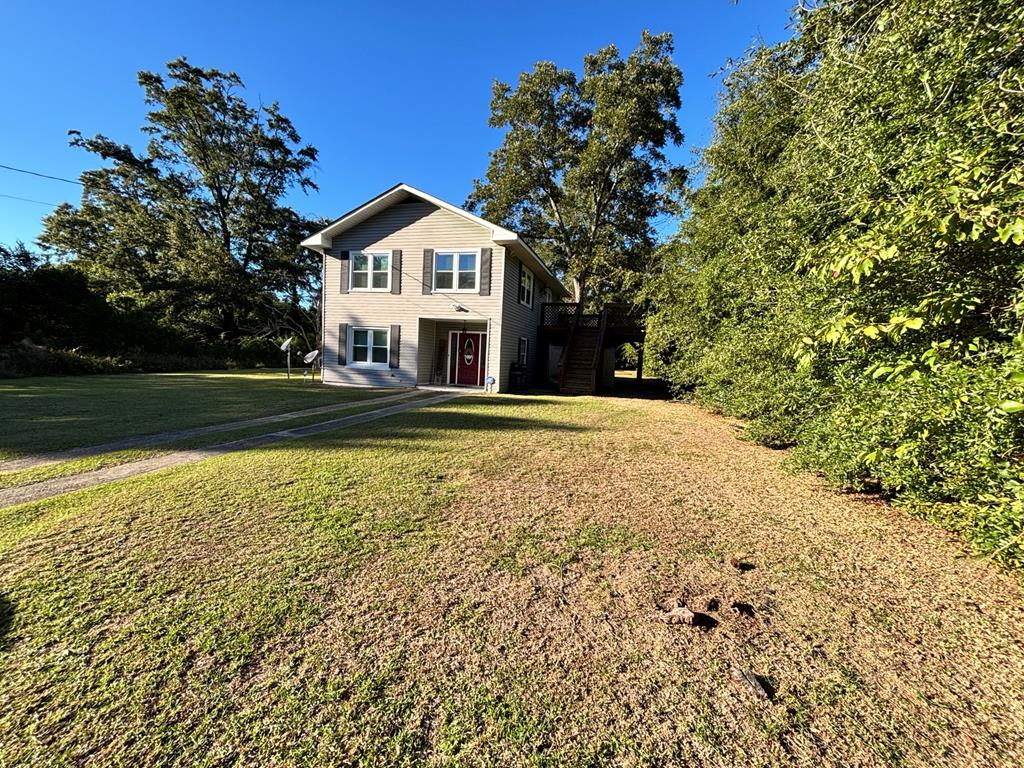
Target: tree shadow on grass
x=6, y=619
x=645, y=389
x=422, y=428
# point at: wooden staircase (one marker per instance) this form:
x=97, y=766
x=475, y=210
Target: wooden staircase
x=584, y=337
x=578, y=372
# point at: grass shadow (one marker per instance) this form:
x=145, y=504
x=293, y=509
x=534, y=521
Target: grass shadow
x=422, y=427
x=6, y=619
x=647, y=389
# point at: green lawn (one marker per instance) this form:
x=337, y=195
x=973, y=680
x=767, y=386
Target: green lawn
x=477, y=583
x=51, y=413
x=75, y=466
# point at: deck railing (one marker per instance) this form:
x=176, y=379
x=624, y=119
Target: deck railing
x=574, y=323
x=557, y=315
x=563, y=316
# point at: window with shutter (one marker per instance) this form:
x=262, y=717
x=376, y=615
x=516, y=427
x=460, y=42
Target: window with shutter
x=456, y=271
x=370, y=348
x=370, y=271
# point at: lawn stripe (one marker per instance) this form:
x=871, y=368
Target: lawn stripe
x=146, y=441
x=61, y=485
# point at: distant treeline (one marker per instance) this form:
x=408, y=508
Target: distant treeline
x=850, y=277
x=53, y=322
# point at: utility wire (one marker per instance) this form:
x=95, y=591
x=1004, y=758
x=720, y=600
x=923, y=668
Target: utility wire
x=40, y=175
x=28, y=200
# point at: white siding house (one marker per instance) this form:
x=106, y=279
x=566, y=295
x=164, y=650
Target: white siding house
x=418, y=291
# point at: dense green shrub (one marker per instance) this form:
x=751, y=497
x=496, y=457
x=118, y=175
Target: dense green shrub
x=850, y=275
x=24, y=359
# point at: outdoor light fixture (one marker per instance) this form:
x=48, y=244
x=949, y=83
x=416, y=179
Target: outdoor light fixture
x=459, y=308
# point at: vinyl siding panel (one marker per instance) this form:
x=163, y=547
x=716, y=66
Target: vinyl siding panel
x=519, y=321
x=409, y=226
x=427, y=344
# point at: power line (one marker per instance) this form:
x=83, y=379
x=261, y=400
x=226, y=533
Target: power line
x=28, y=200
x=41, y=175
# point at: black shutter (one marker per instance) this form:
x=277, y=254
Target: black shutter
x=344, y=262
x=396, y=345
x=485, y=271
x=396, y=272
x=342, y=343
x=519, y=280
x=428, y=271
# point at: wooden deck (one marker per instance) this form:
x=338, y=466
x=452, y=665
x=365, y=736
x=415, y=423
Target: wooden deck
x=557, y=319
x=584, y=337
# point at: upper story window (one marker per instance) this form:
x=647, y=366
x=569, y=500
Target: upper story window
x=371, y=271
x=525, y=286
x=456, y=270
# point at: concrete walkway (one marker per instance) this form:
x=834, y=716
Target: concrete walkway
x=160, y=438
x=48, y=488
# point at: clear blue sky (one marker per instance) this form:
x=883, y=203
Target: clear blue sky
x=387, y=91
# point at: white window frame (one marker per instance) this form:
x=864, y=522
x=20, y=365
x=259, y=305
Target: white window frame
x=523, y=351
x=455, y=252
x=369, y=363
x=524, y=271
x=369, y=271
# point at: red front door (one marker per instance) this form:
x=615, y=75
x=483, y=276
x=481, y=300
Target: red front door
x=468, y=353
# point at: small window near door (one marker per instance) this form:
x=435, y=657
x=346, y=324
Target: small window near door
x=370, y=347
x=524, y=346
x=371, y=271
x=525, y=287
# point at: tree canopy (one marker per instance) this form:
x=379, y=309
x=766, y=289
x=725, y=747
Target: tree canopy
x=192, y=230
x=851, y=274
x=582, y=171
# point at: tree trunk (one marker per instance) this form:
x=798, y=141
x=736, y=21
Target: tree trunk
x=578, y=285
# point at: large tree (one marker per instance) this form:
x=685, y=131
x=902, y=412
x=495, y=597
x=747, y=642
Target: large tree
x=582, y=170
x=193, y=229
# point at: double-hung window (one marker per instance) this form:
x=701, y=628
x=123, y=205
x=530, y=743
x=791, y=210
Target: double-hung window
x=524, y=345
x=525, y=286
x=456, y=270
x=370, y=347
x=371, y=271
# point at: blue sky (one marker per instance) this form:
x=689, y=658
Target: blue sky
x=386, y=91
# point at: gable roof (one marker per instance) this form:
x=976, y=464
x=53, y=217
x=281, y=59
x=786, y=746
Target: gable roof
x=321, y=241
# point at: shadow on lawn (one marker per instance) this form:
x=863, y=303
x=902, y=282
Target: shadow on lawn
x=427, y=425
x=6, y=618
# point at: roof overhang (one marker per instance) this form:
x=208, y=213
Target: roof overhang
x=322, y=240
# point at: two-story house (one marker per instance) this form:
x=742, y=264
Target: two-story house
x=418, y=291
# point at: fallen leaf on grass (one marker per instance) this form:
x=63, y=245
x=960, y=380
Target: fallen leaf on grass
x=750, y=682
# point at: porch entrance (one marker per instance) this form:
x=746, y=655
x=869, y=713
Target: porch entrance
x=467, y=353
